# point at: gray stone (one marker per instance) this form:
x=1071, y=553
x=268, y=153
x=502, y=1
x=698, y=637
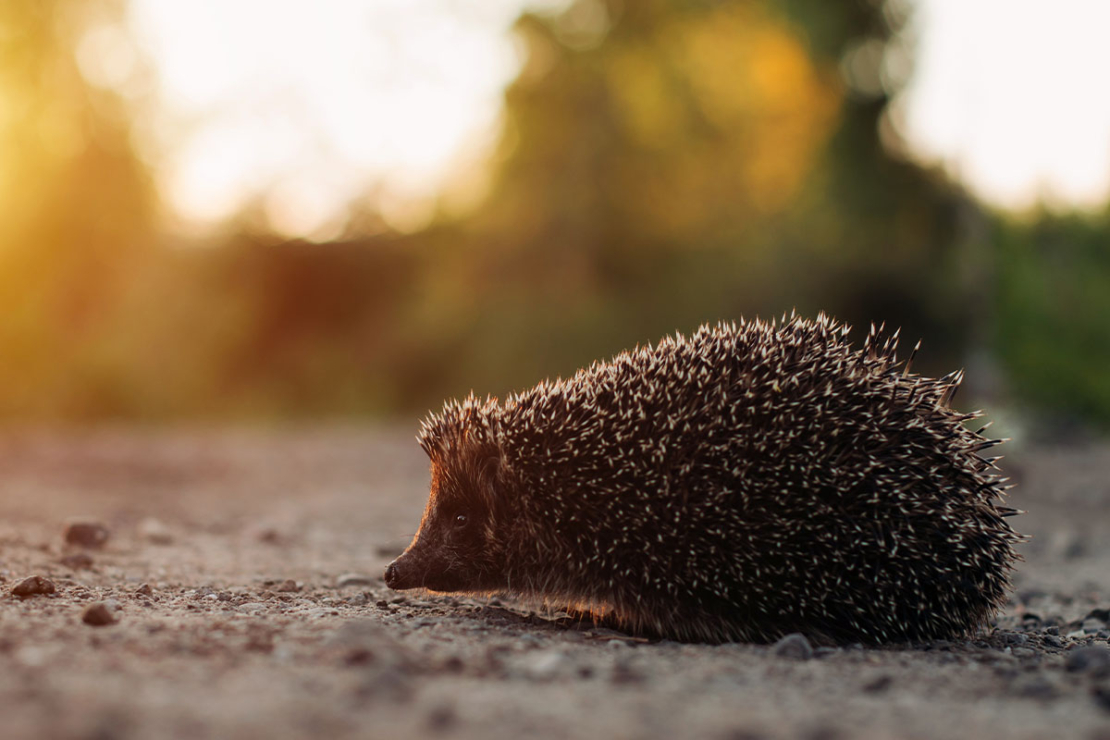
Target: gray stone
x=546, y=665
x=794, y=646
x=1093, y=659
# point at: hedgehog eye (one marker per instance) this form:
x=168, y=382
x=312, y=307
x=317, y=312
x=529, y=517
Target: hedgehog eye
x=461, y=520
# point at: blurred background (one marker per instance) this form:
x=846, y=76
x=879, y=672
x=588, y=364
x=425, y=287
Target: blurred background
x=242, y=209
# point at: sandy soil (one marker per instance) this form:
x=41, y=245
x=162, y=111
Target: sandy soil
x=243, y=572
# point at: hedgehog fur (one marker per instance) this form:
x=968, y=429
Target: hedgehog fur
x=750, y=481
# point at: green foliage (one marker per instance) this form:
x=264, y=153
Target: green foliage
x=696, y=162
x=1053, y=309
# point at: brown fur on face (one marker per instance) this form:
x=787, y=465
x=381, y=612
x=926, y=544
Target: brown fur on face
x=456, y=547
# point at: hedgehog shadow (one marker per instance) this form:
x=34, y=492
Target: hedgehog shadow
x=521, y=617
x=562, y=620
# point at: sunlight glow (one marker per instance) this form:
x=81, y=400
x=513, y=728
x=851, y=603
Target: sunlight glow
x=1010, y=96
x=307, y=108
x=303, y=110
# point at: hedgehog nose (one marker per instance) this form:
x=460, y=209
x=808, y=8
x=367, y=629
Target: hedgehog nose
x=392, y=575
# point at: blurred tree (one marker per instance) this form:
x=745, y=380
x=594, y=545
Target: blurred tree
x=668, y=128
x=1053, y=315
x=665, y=163
x=260, y=327
x=662, y=163
x=76, y=206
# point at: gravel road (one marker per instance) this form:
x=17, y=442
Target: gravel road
x=226, y=584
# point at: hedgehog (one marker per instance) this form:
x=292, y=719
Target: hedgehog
x=749, y=481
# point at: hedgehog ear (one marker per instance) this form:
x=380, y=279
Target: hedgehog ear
x=491, y=467
x=491, y=474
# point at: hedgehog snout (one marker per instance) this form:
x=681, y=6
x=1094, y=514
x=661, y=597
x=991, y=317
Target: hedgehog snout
x=403, y=573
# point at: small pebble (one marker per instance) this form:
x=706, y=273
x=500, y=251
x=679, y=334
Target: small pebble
x=144, y=590
x=531, y=642
x=33, y=586
x=358, y=656
x=389, y=683
x=794, y=646
x=100, y=614
x=624, y=674
x=354, y=579
x=1093, y=659
x=287, y=586
x=1053, y=641
x=441, y=718
x=259, y=639
x=453, y=664
x=545, y=666
x=154, y=531
x=1074, y=547
x=269, y=535
x=86, y=533
x=1101, y=695
x=878, y=685
x=1038, y=687
x=77, y=561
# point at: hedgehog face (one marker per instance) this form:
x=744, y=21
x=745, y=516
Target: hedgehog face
x=455, y=548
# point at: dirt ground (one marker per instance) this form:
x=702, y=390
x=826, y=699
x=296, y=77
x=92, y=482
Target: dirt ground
x=243, y=572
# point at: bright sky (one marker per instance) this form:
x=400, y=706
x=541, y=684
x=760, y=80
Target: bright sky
x=1012, y=96
x=311, y=109
x=317, y=104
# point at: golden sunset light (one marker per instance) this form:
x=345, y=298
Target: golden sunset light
x=311, y=107
x=307, y=111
